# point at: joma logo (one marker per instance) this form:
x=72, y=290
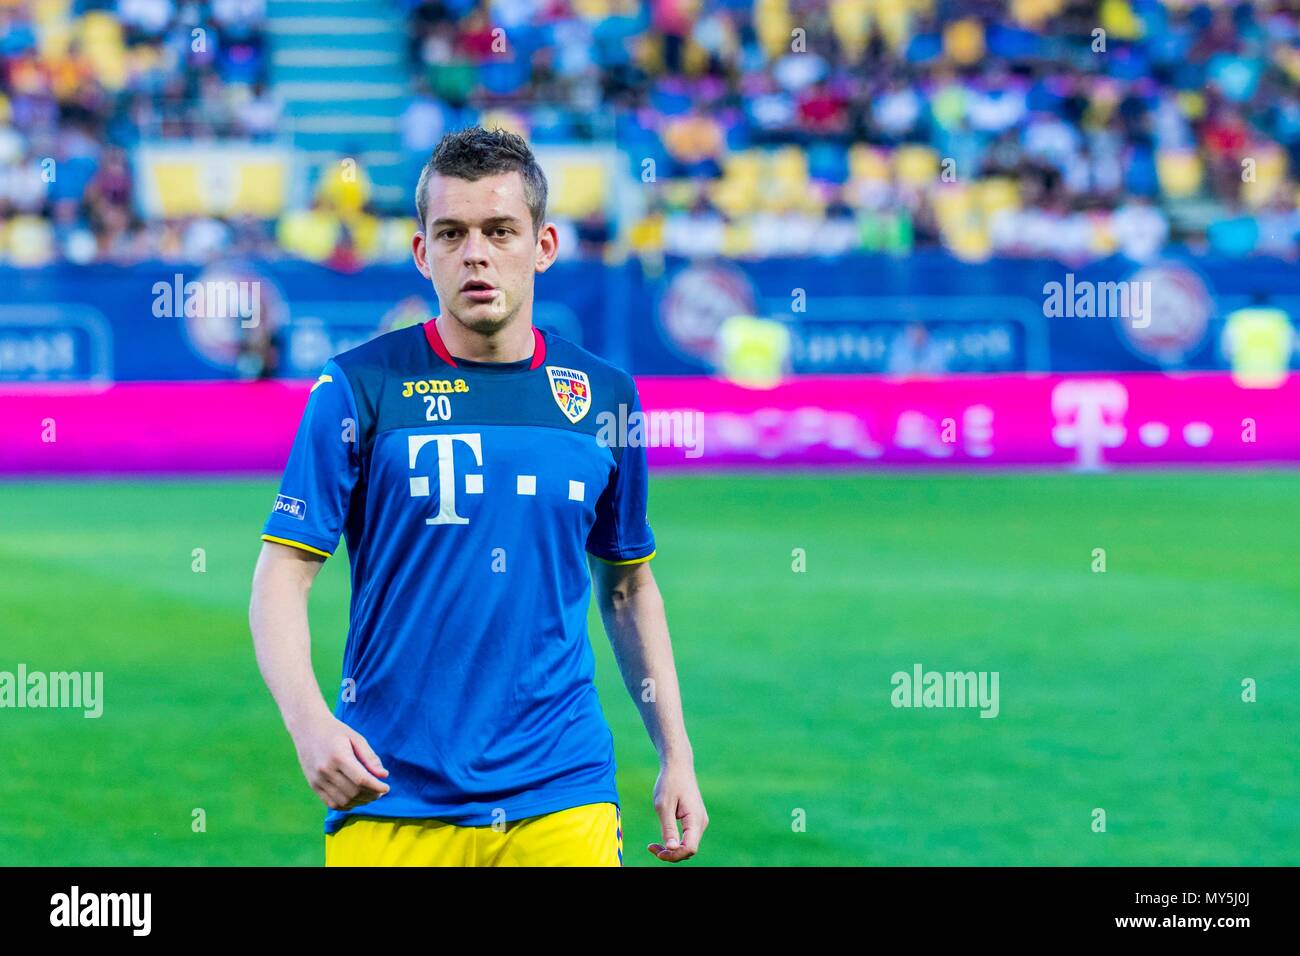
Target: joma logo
x=433, y=386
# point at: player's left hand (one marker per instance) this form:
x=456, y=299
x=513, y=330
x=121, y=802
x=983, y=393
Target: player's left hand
x=677, y=797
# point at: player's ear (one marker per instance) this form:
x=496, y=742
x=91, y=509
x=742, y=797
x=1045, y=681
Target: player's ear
x=548, y=246
x=420, y=252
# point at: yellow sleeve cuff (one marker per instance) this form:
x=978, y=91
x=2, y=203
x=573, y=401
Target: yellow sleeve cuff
x=632, y=561
x=296, y=544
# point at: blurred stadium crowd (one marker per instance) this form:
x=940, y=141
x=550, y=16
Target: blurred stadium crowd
x=747, y=128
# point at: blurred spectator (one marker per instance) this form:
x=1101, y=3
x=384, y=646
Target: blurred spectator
x=912, y=351
x=779, y=127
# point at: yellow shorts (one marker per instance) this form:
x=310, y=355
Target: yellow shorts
x=590, y=835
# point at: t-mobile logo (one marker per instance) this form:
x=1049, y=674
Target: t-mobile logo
x=446, y=474
x=1089, y=417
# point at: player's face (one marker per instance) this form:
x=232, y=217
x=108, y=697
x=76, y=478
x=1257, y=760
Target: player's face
x=479, y=250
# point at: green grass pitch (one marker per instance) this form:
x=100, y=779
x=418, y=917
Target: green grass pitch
x=1119, y=690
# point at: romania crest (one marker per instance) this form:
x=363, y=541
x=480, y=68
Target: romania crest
x=572, y=391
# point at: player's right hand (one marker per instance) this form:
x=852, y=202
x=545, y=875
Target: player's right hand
x=339, y=764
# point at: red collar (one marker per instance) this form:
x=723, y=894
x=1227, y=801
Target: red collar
x=440, y=348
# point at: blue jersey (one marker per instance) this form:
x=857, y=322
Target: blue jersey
x=469, y=494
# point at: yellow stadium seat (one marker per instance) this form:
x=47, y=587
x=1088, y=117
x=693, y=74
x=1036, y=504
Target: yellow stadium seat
x=954, y=203
x=44, y=11
x=592, y=9
x=178, y=187
x=102, y=44
x=580, y=189
x=736, y=197
x=786, y=180
x=1104, y=242
x=647, y=234
x=1119, y=20
x=774, y=25
x=310, y=234
x=53, y=22
x=1191, y=103
x=30, y=241
x=893, y=19
x=970, y=243
x=868, y=163
x=963, y=41
x=1270, y=173
x=260, y=189
x=745, y=164
x=1034, y=13
x=997, y=193
x=915, y=165
x=344, y=185
x=738, y=190
x=1180, y=172
x=850, y=19
x=789, y=164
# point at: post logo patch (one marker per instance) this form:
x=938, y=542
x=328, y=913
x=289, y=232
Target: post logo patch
x=571, y=390
x=293, y=507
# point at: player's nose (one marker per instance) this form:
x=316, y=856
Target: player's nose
x=476, y=247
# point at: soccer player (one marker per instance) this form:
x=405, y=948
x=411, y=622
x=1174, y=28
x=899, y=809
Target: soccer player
x=464, y=463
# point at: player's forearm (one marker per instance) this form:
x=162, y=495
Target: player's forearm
x=277, y=616
x=638, y=632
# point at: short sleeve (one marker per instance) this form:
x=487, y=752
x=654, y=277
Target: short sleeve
x=312, y=506
x=621, y=534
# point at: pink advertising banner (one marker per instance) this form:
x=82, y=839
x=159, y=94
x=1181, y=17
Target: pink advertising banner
x=1086, y=421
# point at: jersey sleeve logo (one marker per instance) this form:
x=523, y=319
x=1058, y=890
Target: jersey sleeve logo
x=571, y=390
x=293, y=507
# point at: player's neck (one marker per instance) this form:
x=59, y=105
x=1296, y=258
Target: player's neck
x=512, y=343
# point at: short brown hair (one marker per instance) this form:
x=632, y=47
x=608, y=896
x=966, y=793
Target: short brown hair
x=475, y=152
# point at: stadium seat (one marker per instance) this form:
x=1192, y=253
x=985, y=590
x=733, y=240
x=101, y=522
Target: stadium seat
x=580, y=188
x=773, y=23
x=1270, y=172
x=737, y=192
x=310, y=234
x=915, y=165
x=996, y=193
x=178, y=188
x=869, y=163
x=788, y=175
x=260, y=189
x=1180, y=173
x=102, y=43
